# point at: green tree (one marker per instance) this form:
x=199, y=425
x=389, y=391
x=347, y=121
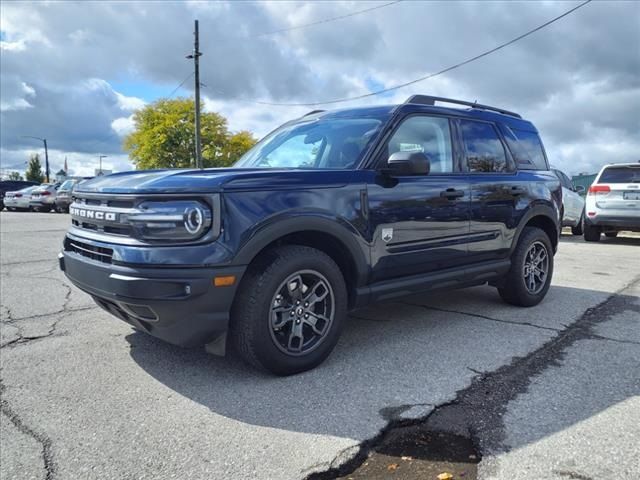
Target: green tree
x=164, y=137
x=15, y=176
x=34, y=169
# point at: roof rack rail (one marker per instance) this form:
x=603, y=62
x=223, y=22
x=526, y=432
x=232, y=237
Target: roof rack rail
x=312, y=112
x=428, y=100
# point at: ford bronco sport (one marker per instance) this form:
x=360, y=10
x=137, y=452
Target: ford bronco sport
x=327, y=213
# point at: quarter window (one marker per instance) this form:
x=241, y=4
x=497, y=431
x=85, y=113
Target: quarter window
x=483, y=149
x=526, y=147
x=429, y=135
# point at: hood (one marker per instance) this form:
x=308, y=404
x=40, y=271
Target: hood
x=214, y=180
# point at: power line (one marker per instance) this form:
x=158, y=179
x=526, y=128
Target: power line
x=325, y=20
x=426, y=77
x=180, y=85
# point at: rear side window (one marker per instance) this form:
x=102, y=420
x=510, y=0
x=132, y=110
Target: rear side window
x=620, y=175
x=483, y=148
x=526, y=147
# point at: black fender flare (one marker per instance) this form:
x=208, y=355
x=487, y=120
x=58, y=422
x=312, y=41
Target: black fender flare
x=343, y=232
x=539, y=211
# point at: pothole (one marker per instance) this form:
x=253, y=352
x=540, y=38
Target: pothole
x=415, y=452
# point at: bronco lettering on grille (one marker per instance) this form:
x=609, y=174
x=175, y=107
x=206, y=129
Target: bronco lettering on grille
x=94, y=214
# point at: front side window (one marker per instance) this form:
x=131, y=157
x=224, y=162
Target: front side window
x=429, y=135
x=330, y=143
x=483, y=149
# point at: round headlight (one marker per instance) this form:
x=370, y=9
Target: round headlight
x=194, y=220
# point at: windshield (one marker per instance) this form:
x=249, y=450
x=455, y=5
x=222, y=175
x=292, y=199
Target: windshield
x=335, y=143
x=67, y=185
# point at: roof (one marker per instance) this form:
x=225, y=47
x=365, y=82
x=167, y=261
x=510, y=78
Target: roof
x=385, y=111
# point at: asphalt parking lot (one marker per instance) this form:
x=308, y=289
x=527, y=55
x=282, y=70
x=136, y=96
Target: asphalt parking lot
x=547, y=392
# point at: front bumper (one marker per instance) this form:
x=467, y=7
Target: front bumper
x=179, y=305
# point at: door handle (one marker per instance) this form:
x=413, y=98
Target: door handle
x=452, y=193
x=517, y=191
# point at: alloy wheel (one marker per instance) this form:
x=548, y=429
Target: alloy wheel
x=302, y=311
x=536, y=267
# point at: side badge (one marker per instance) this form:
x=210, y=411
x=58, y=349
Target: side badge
x=387, y=234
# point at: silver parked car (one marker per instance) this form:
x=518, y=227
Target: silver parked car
x=19, y=200
x=43, y=198
x=572, y=203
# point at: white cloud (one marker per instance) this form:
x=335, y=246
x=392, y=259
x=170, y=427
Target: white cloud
x=16, y=46
x=123, y=125
x=130, y=103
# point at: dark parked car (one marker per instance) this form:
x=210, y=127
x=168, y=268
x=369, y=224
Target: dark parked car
x=63, y=195
x=12, y=186
x=328, y=213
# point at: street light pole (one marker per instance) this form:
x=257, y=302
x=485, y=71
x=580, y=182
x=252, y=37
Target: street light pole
x=196, y=64
x=46, y=154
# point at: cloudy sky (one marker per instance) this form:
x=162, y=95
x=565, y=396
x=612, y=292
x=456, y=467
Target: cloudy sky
x=75, y=72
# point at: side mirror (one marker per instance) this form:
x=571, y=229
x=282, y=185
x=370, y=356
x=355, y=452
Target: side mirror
x=408, y=163
x=579, y=189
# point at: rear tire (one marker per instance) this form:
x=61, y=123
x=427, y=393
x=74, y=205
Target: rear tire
x=289, y=310
x=591, y=233
x=611, y=234
x=529, y=277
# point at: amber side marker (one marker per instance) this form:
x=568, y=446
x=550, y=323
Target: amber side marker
x=225, y=281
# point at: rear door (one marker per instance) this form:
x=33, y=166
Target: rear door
x=496, y=190
x=419, y=223
x=623, y=197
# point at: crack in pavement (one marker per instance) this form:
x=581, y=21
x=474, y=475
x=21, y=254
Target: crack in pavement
x=484, y=317
x=477, y=411
x=572, y=475
x=41, y=438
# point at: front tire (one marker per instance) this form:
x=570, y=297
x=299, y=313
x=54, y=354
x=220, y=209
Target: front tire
x=529, y=277
x=289, y=310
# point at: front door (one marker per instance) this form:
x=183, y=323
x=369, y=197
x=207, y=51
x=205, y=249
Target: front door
x=419, y=223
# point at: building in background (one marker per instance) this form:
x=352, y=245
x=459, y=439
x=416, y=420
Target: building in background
x=585, y=180
x=103, y=171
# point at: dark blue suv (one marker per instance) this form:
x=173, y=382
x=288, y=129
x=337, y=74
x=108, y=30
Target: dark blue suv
x=327, y=213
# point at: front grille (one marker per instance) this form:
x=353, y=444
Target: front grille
x=124, y=230
x=101, y=254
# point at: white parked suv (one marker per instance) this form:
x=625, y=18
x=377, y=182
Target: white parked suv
x=613, y=202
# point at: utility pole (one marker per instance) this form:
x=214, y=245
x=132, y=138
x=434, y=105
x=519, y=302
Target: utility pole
x=196, y=64
x=46, y=154
x=46, y=159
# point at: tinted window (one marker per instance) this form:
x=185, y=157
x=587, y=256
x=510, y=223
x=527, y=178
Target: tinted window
x=484, y=150
x=429, y=135
x=620, y=175
x=526, y=147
